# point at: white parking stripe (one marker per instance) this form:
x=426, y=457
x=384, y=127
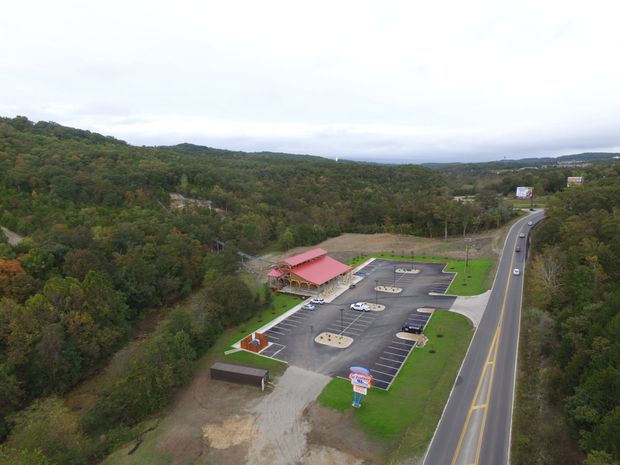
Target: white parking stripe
x=398, y=348
x=288, y=323
x=276, y=353
x=396, y=355
x=382, y=372
x=278, y=332
x=392, y=360
x=386, y=366
x=402, y=344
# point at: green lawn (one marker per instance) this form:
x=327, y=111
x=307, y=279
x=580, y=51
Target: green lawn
x=280, y=304
x=408, y=413
x=471, y=280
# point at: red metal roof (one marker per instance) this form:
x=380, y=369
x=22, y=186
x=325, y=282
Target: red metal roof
x=275, y=273
x=304, y=257
x=321, y=270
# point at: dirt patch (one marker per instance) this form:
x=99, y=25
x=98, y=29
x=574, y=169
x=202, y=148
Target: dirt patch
x=420, y=339
x=338, y=431
x=329, y=456
x=347, y=246
x=231, y=432
x=281, y=421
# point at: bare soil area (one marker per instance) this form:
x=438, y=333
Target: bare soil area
x=484, y=245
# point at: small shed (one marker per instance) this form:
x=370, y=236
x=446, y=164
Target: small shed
x=240, y=374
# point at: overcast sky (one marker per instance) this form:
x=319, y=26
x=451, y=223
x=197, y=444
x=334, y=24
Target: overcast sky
x=419, y=80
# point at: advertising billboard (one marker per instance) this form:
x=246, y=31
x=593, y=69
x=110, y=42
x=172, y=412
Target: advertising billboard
x=524, y=192
x=574, y=181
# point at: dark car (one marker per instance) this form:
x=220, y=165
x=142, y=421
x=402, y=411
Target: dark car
x=352, y=286
x=531, y=209
x=414, y=329
x=518, y=248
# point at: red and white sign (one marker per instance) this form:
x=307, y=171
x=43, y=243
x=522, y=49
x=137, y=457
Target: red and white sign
x=360, y=389
x=360, y=377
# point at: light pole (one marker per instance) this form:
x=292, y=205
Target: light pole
x=376, y=292
x=467, y=240
x=341, y=321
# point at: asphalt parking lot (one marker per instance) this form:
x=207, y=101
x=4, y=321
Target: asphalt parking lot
x=375, y=345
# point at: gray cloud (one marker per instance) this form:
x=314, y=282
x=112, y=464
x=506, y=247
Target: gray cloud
x=405, y=80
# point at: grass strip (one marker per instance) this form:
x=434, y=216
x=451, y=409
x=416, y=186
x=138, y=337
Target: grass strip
x=472, y=277
x=408, y=413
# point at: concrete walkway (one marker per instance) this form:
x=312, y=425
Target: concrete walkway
x=471, y=306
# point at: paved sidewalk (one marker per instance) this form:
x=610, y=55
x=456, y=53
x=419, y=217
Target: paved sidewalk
x=472, y=306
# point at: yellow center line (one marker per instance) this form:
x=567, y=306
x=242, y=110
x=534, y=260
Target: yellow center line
x=490, y=360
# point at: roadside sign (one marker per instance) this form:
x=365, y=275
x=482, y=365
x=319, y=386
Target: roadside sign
x=361, y=380
x=360, y=390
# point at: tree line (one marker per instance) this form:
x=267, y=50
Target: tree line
x=573, y=328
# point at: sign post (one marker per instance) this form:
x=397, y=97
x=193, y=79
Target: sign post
x=361, y=380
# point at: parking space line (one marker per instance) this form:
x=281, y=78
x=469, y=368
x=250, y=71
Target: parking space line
x=392, y=353
x=398, y=348
x=272, y=337
x=386, y=366
x=391, y=360
x=382, y=372
x=381, y=381
x=277, y=332
x=402, y=343
x=276, y=353
x=286, y=323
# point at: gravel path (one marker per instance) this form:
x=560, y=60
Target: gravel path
x=282, y=426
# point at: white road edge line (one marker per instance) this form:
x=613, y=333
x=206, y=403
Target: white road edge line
x=466, y=353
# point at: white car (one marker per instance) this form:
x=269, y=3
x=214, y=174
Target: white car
x=317, y=301
x=360, y=307
x=308, y=307
x=529, y=223
x=521, y=234
x=516, y=272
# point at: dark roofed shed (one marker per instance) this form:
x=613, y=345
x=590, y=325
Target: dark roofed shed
x=240, y=374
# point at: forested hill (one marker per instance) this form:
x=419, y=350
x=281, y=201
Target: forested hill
x=104, y=245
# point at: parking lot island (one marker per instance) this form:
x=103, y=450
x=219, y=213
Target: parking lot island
x=334, y=340
x=390, y=289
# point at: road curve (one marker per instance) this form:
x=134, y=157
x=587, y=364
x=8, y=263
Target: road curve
x=475, y=427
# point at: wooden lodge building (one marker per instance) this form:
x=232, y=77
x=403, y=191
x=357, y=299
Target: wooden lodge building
x=309, y=273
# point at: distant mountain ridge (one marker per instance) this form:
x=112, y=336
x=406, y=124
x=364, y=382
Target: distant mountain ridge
x=65, y=132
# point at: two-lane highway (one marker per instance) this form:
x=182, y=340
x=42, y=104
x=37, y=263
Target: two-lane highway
x=476, y=423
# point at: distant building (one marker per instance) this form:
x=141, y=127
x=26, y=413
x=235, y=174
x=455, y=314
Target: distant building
x=309, y=273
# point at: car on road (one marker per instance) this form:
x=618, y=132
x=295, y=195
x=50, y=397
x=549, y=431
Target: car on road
x=352, y=286
x=413, y=329
x=518, y=248
x=360, y=307
x=532, y=210
x=516, y=272
x=308, y=307
x=317, y=301
x=529, y=223
x=521, y=235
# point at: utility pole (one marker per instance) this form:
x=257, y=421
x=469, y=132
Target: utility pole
x=376, y=292
x=341, y=321
x=467, y=241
